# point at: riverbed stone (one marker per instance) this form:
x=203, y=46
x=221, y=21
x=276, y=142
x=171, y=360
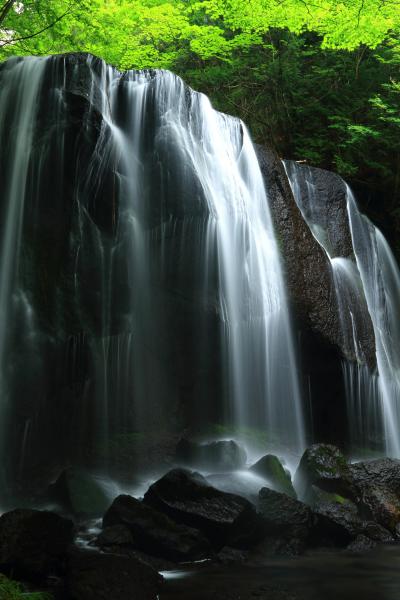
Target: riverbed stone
x=95, y=576
x=143, y=527
x=187, y=497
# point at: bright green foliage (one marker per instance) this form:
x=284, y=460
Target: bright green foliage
x=319, y=79
x=11, y=590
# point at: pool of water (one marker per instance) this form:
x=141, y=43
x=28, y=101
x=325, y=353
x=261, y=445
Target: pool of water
x=319, y=576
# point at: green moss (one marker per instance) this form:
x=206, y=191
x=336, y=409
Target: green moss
x=12, y=590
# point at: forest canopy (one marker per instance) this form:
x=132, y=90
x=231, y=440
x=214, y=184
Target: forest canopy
x=319, y=79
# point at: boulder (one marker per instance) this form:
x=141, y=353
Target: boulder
x=94, y=576
x=34, y=543
x=361, y=544
x=150, y=531
x=378, y=485
x=325, y=467
x=119, y=540
x=339, y=523
x=80, y=493
x=284, y=516
x=270, y=468
x=187, y=497
x=221, y=455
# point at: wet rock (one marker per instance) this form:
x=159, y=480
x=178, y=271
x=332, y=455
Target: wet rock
x=325, y=467
x=378, y=484
x=151, y=531
x=94, y=576
x=34, y=543
x=80, y=493
x=338, y=523
x=270, y=467
x=222, y=455
x=187, y=497
x=361, y=544
x=284, y=516
x=119, y=540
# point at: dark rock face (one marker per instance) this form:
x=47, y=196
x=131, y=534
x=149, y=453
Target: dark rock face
x=312, y=298
x=307, y=268
x=152, y=532
x=340, y=523
x=329, y=209
x=285, y=516
x=34, y=543
x=271, y=468
x=80, y=493
x=323, y=466
x=322, y=199
x=218, y=456
x=94, y=576
x=378, y=484
x=186, y=497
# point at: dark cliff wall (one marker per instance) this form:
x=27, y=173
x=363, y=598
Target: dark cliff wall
x=312, y=294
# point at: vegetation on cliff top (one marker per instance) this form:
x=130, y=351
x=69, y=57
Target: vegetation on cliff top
x=318, y=79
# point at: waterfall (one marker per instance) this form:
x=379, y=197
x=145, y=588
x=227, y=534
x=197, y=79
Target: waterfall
x=150, y=270
x=367, y=286
x=381, y=281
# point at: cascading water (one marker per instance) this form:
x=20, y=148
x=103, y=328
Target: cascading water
x=367, y=286
x=381, y=281
x=162, y=293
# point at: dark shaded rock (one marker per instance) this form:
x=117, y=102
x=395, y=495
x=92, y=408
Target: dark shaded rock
x=338, y=523
x=222, y=455
x=186, y=497
x=119, y=540
x=80, y=493
x=361, y=544
x=34, y=543
x=270, y=467
x=151, y=531
x=308, y=274
x=94, y=576
x=284, y=516
x=378, y=484
x=323, y=466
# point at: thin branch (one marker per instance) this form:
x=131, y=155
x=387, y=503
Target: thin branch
x=5, y=10
x=32, y=35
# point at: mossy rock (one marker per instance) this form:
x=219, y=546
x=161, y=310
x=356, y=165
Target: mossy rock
x=323, y=466
x=271, y=468
x=80, y=493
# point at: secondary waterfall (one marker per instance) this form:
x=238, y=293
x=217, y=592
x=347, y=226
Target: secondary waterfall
x=149, y=283
x=367, y=285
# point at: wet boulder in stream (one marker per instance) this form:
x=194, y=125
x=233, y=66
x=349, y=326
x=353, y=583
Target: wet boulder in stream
x=187, y=497
x=151, y=531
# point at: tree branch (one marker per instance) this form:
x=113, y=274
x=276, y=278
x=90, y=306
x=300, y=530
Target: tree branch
x=32, y=35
